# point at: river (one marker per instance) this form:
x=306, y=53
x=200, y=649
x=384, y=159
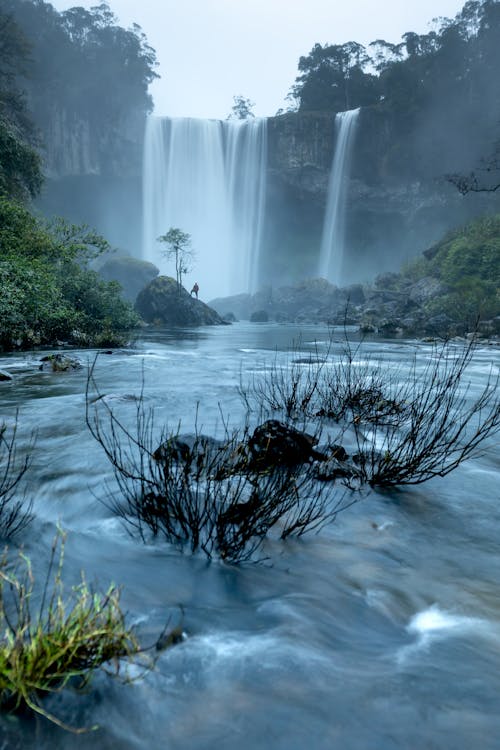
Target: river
x=382, y=631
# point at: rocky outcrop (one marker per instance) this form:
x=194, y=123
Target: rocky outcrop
x=131, y=273
x=163, y=302
x=310, y=301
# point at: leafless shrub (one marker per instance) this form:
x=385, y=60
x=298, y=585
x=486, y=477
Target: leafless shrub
x=15, y=510
x=203, y=494
x=441, y=425
x=409, y=425
x=290, y=387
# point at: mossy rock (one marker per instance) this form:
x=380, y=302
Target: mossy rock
x=164, y=302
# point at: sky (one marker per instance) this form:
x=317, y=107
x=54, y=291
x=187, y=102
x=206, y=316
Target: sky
x=211, y=50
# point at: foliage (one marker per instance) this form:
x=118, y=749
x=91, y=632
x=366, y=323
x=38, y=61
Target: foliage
x=20, y=166
x=48, y=291
x=430, y=88
x=84, y=63
x=178, y=247
x=334, y=77
x=15, y=512
x=66, y=638
x=241, y=109
x=467, y=262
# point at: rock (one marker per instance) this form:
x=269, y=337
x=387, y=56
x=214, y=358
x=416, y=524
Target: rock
x=239, y=305
x=367, y=328
x=5, y=376
x=259, y=316
x=276, y=444
x=355, y=294
x=334, y=469
x=338, y=452
x=389, y=327
x=59, y=363
x=187, y=448
x=440, y=325
x=163, y=302
x=131, y=273
x=425, y=289
x=387, y=281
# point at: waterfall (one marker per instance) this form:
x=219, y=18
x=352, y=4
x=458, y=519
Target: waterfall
x=333, y=238
x=207, y=177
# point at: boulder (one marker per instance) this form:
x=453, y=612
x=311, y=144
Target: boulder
x=131, y=273
x=425, y=289
x=276, y=444
x=59, y=363
x=259, y=316
x=163, y=302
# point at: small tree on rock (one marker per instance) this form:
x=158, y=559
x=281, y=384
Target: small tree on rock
x=178, y=247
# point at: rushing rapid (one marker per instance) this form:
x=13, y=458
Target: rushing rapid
x=381, y=631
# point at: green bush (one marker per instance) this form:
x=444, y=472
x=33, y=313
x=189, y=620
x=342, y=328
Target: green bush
x=48, y=291
x=467, y=262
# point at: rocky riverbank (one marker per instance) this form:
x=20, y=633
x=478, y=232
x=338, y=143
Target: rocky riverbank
x=391, y=306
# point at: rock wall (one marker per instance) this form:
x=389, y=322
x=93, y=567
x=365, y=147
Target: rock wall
x=399, y=202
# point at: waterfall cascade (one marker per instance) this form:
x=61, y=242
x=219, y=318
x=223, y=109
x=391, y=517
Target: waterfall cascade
x=333, y=238
x=207, y=177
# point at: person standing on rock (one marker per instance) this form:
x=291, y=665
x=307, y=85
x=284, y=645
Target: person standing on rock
x=195, y=289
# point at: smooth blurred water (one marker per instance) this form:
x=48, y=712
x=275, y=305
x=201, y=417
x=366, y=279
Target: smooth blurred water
x=382, y=631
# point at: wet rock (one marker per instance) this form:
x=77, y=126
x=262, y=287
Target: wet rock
x=189, y=449
x=59, y=363
x=334, y=469
x=276, y=444
x=4, y=376
x=338, y=452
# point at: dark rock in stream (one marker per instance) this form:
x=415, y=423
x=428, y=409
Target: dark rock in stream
x=276, y=444
x=59, y=363
x=4, y=376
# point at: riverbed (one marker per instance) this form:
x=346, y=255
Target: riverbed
x=381, y=631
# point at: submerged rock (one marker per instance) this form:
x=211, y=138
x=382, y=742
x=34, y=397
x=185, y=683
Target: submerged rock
x=163, y=302
x=5, y=375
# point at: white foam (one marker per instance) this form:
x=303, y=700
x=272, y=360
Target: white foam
x=434, y=624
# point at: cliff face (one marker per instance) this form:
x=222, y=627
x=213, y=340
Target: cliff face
x=396, y=208
x=80, y=147
x=94, y=174
x=398, y=200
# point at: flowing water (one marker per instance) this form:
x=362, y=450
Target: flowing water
x=207, y=177
x=382, y=631
x=333, y=238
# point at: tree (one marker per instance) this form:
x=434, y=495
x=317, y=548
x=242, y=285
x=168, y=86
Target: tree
x=332, y=77
x=179, y=248
x=20, y=166
x=242, y=108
